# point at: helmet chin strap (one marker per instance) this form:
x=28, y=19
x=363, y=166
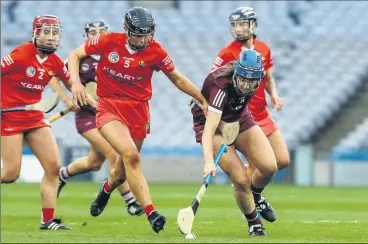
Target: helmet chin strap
x=133, y=47
x=43, y=49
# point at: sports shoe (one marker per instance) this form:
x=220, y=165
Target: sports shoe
x=265, y=209
x=62, y=183
x=100, y=202
x=134, y=208
x=157, y=221
x=54, y=224
x=256, y=230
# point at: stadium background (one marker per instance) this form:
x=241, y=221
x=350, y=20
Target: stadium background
x=320, y=71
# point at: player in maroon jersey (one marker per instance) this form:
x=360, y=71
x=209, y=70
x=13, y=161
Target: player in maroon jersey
x=124, y=88
x=243, y=21
x=228, y=90
x=24, y=74
x=85, y=120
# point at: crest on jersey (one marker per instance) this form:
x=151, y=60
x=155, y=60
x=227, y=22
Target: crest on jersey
x=30, y=71
x=141, y=64
x=113, y=57
x=85, y=67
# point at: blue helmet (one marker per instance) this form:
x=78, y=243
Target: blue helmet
x=248, y=72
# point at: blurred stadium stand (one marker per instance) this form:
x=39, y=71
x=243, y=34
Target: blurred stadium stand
x=319, y=50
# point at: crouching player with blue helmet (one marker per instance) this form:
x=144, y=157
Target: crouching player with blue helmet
x=228, y=90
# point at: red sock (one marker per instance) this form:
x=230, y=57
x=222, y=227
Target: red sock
x=47, y=214
x=107, y=187
x=149, y=209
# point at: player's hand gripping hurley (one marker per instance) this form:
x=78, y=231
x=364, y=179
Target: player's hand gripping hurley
x=186, y=215
x=46, y=105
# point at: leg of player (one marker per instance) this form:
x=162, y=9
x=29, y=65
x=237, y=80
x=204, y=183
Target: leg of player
x=253, y=144
x=133, y=206
x=43, y=144
x=118, y=135
x=280, y=149
x=100, y=149
x=11, y=155
x=232, y=165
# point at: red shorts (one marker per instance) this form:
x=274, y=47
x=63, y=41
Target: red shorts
x=132, y=113
x=267, y=125
x=10, y=127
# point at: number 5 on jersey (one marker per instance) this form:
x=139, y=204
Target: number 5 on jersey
x=127, y=63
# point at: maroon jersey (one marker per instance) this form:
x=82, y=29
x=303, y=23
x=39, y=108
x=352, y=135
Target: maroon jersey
x=87, y=69
x=221, y=96
x=87, y=73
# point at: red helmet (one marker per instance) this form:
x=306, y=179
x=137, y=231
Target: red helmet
x=47, y=31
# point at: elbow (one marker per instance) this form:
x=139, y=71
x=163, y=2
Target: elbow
x=72, y=56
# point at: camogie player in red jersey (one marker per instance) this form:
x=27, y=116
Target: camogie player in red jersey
x=24, y=74
x=124, y=88
x=243, y=22
x=85, y=121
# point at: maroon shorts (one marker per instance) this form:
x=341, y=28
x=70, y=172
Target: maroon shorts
x=85, y=120
x=246, y=122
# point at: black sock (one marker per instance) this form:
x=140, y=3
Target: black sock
x=252, y=218
x=256, y=192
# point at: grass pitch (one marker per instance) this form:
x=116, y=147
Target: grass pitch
x=303, y=215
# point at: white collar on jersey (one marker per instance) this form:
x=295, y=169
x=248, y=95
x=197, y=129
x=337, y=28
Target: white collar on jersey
x=131, y=51
x=97, y=57
x=251, y=48
x=40, y=60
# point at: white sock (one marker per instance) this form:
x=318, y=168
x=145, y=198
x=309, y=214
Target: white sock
x=129, y=197
x=64, y=175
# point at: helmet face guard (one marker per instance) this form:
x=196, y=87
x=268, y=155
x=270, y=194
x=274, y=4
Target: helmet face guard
x=95, y=27
x=140, y=27
x=138, y=41
x=47, y=33
x=242, y=29
x=243, y=21
x=248, y=73
x=246, y=84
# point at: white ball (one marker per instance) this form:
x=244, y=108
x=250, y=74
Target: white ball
x=190, y=236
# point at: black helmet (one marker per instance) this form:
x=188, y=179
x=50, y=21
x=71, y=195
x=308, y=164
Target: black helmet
x=95, y=24
x=139, y=22
x=243, y=14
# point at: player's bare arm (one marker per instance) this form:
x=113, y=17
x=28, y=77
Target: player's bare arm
x=185, y=85
x=56, y=87
x=212, y=122
x=78, y=90
x=270, y=87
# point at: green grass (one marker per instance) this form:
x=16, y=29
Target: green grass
x=304, y=215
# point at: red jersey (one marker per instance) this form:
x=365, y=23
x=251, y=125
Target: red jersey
x=122, y=72
x=24, y=76
x=257, y=104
